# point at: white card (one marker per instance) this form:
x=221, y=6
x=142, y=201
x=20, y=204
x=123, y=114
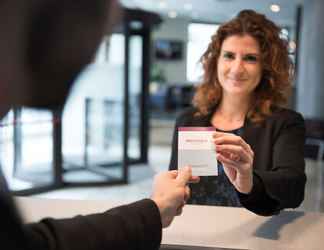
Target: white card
x=196, y=149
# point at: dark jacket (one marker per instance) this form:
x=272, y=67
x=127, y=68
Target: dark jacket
x=278, y=168
x=134, y=226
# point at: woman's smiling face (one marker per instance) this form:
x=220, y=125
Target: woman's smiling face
x=239, y=65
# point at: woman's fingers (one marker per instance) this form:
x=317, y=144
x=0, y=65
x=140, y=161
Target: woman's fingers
x=235, y=153
x=227, y=138
x=236, y=172
x=226, y=160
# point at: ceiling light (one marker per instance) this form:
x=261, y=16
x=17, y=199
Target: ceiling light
x=162, y=4
x=274, y=7
x=172, y=14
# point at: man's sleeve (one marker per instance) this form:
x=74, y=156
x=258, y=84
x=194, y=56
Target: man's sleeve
x=134, y=226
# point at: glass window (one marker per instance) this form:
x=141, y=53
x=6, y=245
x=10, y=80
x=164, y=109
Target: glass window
x=199, y=36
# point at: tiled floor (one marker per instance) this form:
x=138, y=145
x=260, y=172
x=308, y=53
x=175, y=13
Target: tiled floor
x=141, y=177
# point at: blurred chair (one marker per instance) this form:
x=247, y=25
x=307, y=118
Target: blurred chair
x=315, y=136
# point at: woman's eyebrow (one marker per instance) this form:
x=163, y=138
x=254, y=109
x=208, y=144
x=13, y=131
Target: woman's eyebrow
x=247, y=53
x=227, y=51
x=252, y=54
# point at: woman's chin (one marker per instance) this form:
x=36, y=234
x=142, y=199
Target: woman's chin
x=237, y=92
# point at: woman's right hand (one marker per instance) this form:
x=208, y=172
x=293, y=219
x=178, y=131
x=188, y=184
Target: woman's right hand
x=236, y=157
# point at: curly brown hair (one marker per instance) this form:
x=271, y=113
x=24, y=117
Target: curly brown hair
x=276, y=66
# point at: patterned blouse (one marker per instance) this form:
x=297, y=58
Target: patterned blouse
x=215, y=190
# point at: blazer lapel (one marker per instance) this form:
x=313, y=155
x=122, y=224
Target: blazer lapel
x=251, y=133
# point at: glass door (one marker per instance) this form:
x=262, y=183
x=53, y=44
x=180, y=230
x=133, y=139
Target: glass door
x=138, y=45
x=27, y=149
x=135, y=95
x=93, y=119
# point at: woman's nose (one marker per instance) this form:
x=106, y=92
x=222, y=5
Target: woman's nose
x=237, y=66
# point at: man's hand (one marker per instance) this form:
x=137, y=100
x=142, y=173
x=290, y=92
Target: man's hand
x=170, y=192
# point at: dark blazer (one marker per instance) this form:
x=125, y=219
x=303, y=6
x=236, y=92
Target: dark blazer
x=278, y=168
x=133, y=226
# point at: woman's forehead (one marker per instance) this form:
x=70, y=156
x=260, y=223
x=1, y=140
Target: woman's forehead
x=244, y=43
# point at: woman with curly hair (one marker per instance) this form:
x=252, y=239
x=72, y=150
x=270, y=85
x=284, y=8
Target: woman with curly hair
x=259, y=143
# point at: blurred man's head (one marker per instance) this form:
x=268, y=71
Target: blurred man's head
x=48, y=43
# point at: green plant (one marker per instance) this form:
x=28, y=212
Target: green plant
x=157, y=74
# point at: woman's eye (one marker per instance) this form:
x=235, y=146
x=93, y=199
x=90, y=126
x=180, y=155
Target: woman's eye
x=228, y=55
x=251, y=58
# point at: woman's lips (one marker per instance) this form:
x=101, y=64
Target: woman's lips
x=236, y=81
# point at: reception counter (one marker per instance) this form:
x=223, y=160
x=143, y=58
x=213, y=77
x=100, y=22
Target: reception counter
x=208, y=226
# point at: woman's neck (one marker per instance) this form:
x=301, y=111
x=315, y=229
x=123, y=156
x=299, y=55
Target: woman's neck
x=230, y=113
x=234, y=108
